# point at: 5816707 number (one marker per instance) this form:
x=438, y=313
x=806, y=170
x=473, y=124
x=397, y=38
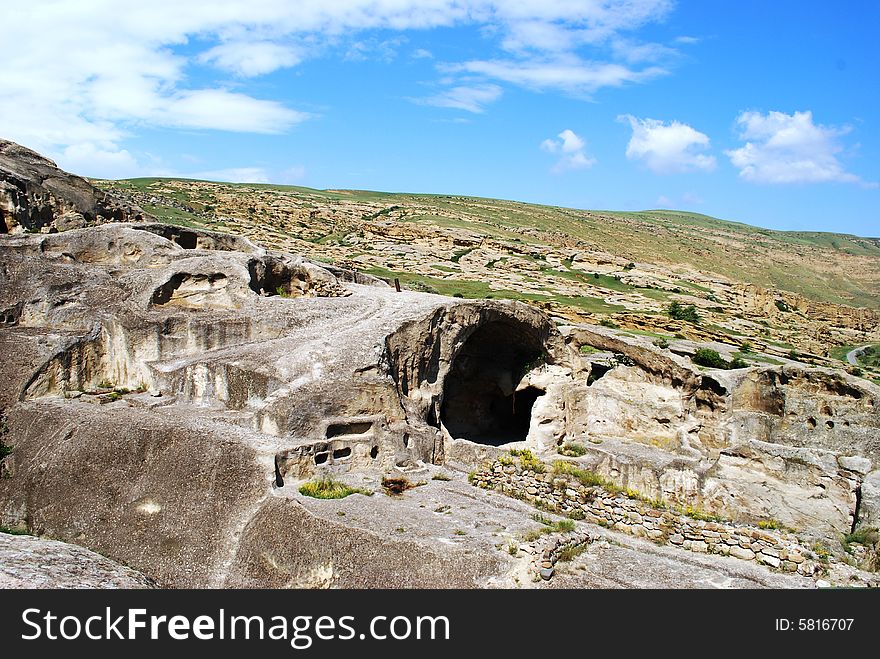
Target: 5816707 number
x=814, y=624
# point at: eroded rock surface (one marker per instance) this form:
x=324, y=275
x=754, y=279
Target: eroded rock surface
x=35, y=195
x=29, y=562
x=165, y=391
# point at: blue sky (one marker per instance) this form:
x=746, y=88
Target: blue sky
x=761, y=112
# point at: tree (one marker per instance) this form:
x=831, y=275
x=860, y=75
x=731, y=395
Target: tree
x=677, y=311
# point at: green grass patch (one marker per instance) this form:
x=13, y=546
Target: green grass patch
x=548, y=526
x=570, y=552
x=327, y=488
x=585, y=476
x=572, y=450
x=10, y=531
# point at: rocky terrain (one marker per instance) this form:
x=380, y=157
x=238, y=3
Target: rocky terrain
x=215, y=413
x=783, y=293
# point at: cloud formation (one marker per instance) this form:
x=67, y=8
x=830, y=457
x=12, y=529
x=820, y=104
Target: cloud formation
x=571, y=149
x=471, y=98
x=667, y=148
x=85, y=76
x=789, y=148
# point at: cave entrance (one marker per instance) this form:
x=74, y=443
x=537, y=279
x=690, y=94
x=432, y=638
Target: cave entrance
x=480, y=402
x=3, y=227
x=273, y=277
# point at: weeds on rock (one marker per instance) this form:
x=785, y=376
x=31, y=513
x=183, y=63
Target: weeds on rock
x=572, y=450
x=327, y=488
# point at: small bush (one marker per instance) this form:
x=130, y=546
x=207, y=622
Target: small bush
x=865, y=536
x=770, y=524
x=607, y=322
x=678, y=311
x=441, y=477
x=661, y=343
x=9, y=531
x=394, y=485
x=782, y=306
x=629, y=266
x=5, y=450
x=745, y=346
x=793, y=354
x=710, y=358
x=738, y=362
x=528, y=461
x=326, y=488
x=572, y=450
x=571, y=552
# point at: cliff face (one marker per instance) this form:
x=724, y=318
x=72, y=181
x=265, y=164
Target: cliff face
x=36, y=195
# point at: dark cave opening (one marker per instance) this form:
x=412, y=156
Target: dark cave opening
x=480, y=402
x=272, y=277
x=186, y=239
x=3, y=227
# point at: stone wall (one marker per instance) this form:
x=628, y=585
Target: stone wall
x=566, y=495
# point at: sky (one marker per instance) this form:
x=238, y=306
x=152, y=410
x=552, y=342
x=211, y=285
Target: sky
x=761, y=112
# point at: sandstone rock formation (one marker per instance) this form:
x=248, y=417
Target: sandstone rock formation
x=35, y=195
x=29, y=562
x=165, y=391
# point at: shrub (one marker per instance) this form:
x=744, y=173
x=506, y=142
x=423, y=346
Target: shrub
x=607, y=322
x=396, y=484
x=738, y=362
x=441, y=477
x=5, y=450
x=782, y=306
x=688, y=313
x=629, y=266
x=572, y=450
x=326, y=488
x=571, y=552
x=527, y=460
x=745, y=346
x=710, y=358
x=661, y=343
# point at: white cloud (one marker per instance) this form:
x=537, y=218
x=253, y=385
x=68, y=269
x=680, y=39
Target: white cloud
x=570, y=146
x=471, y=98
x=667, y=148
x=421, y=53
x=569, y=74
x=86, y=159
x=219, y=109
x=248, y=59
x=789, y=148
x=88, y=75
